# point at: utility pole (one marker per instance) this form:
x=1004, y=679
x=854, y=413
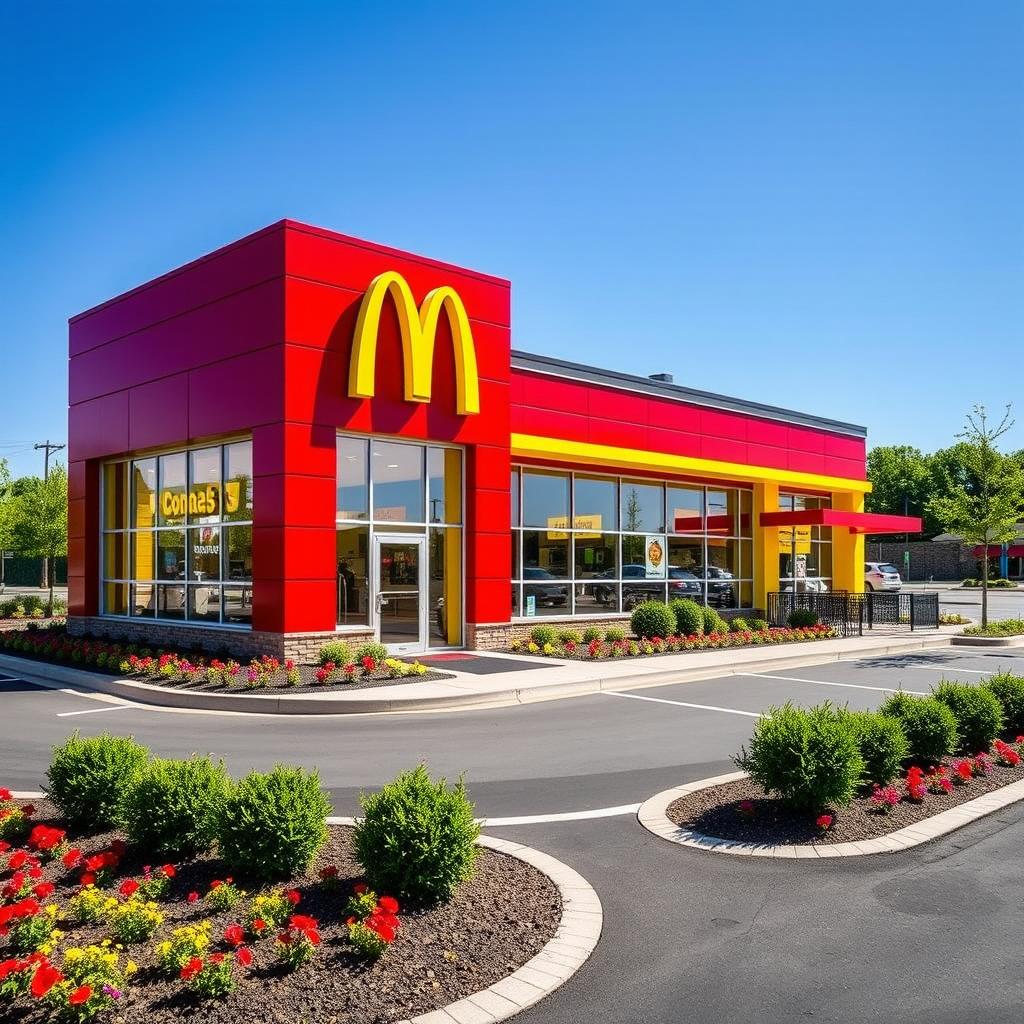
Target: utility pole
x=47, y=446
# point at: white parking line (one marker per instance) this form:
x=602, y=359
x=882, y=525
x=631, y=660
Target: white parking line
x=96, y=711
x=950, y=668
x=682, y=703
x=822, y=682
x=530, y=819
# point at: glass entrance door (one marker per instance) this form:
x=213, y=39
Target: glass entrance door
x=401, y=606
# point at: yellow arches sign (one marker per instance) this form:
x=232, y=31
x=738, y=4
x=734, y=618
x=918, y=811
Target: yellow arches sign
x=418, y=327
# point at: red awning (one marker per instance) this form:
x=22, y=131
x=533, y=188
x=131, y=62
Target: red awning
x=855, y=522
x=995, y=550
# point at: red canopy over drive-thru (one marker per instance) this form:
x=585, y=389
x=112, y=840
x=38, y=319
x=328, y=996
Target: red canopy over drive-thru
x=855, y=522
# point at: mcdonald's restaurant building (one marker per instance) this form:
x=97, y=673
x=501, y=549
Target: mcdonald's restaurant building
x=303, y=435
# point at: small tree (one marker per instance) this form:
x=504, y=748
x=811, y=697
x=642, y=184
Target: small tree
x=41, y=522
x=985, y=506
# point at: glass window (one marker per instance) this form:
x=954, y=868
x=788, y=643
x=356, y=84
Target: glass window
x=204, y=485
x=545, y=555
x=545, y=499
x=173, y=483
x=143, y=493
x=546, y=599
x=596, y=598
x=746, y=514
x=115, y=598
x=723, y=556
x=238, y=605
x=686, y=553
x=352, y=551
x=238, y=481
x=635, y=592
x=515, y=555
x=204, y=553
x=143, y=565
x=170, y=555
x=353, y=490
x=444, y=485
x=398, y=492
x=143, y=602
x=170, y=602
x=445, y=588
x=596, y=507
x=643, y=507
x=685, y=509
x=634, y=560
x=515, y=497
x=238, y=564
x=721, y=512
x=115, y=496
x=115, y=556
x=595, y=555
x=204, y=604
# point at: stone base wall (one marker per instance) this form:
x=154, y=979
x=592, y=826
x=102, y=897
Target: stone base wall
x=238, y=643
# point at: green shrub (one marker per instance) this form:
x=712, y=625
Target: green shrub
x=337, y=651
x=1009, y=691
x=543, y=635
x=713, y=622
x=652, y=618
x=88, y=777
x=758, y=625
x=970, y=582
x=590, y=634
x=689, y=617
x=738, y=625
x=882, y=743
x=800, y=618
x=615, y=634
x=810, y=758
x=929, y=726
x=175, y=806
x=372, y=650
x=569, y=636
x=273, y=824
x=417, y=837
x=978, y=713
x=998, y=627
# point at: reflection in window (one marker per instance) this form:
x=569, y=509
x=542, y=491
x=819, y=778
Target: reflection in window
x=596, y=504
x=173, y=485
x=352, y=550
x=685, y=509
x=643, y=507
x=353, y=490
x=545, y=555
x=545, y=499
x=238, y=481
x=398, y=493
x=444, y=485
x=204, y=485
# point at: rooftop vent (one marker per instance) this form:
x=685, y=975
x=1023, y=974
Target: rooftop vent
x=662, y=378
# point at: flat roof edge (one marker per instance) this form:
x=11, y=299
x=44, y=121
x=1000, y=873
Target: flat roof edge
x=677, y=392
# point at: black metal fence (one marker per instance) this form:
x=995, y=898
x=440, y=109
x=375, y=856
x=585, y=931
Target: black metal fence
x=850, y=614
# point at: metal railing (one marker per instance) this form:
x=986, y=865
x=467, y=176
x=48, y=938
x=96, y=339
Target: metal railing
x=850, y=614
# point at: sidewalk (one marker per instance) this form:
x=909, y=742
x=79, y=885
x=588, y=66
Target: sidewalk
x=554, y=680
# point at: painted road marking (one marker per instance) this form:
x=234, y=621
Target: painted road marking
x=822, y=682
x=950, y=668
x=96, y=711
x=530, y=819
x=682, y=703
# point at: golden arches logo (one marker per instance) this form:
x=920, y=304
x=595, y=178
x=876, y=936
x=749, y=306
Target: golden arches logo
x=418, y=326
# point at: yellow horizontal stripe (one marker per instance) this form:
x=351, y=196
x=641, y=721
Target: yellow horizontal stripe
x=602, y=455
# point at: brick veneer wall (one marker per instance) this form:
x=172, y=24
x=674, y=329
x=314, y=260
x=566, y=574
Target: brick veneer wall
x=937, y=559
x=239, y=643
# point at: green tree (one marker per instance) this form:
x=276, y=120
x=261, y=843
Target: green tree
x=900, y=480
x=984, y=502
x=41, y=521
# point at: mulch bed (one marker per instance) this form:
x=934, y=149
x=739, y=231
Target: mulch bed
x=493, y=925
x=713, y=811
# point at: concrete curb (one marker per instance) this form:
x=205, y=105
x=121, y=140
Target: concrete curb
x=648, y=673
x=652, y=815
x=987, y=641
x=577, y=936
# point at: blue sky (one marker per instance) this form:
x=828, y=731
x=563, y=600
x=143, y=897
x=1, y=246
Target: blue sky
x=811, y=204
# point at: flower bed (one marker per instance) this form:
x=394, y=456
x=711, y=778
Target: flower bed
x=199, y=672
x=30, y=607
x=576, y=648
x=997, y=628
x=89, y=931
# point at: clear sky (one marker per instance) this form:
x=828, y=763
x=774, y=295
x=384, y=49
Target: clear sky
x=810, y=204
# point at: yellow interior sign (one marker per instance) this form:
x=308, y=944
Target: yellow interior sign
x=800, y=536
x=590, y=525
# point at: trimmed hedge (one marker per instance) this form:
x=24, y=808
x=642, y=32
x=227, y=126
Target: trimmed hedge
x=689, y=617
x=1009, y=691
x=882, y=743
x=652, y=618
x=978, y=713
x=929, y=726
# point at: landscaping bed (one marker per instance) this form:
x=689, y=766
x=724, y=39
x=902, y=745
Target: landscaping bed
x=200, y=673
x=266, y=913
x=827, y=774
x=741, y=812
x=997, y=628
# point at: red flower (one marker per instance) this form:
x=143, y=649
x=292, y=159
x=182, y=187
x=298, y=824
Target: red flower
x=369, y=664
x=292, y=897
x=88, y=878
x=80, y=995
x=824, y=822
x=329, y=873
x=191, y=969
x=382, y=926
x=44, y=978
x=234, y=935
x=359, y=888
x=244, y=956
x=216, y=958
x=5, y=794
x=71, y=858
x=388, y=904
x=118, y=847
x=4, y=846
x=192, y=897
x=215, y=884
x=44, y=889
x=17, y=860
x=259, y=925
x=129, y=887
x=169, y=870
x=35, y=872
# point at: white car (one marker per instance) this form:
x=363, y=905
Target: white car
x=881, y=576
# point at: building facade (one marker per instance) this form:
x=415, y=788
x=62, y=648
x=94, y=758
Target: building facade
x=303, y=435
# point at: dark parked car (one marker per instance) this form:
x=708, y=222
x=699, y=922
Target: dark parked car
x=636, y=587
x=550, y=594
x=722, y=592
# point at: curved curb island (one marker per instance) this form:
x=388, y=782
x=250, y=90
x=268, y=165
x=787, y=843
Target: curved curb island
x=652, y=815
x=987, y=641
x=557, y=680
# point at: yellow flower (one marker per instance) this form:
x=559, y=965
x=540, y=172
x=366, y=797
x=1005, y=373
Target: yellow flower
x=105, y=942
x=73, y=953
x=131, y=967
